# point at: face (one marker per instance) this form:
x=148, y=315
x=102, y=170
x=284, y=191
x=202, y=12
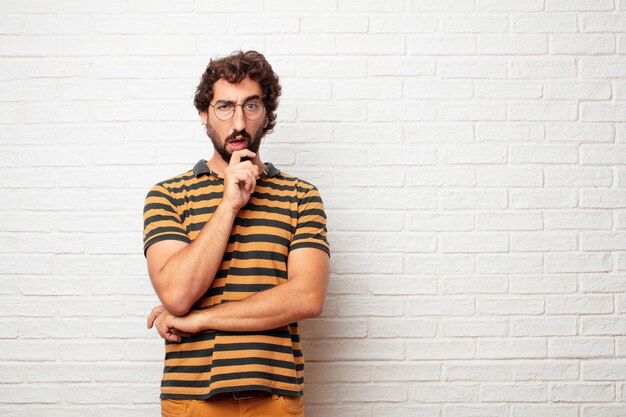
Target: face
x=237, y=133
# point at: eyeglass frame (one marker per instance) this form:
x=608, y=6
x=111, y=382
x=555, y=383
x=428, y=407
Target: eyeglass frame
x=242, y=110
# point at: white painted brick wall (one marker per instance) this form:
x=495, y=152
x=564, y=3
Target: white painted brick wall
x=471, y=157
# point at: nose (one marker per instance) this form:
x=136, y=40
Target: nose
x=238, y=120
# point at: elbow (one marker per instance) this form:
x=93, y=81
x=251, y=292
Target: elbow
x=314, y=308
x=177, y=306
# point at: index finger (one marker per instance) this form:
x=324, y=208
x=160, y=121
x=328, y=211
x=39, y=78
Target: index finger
x=235, y=158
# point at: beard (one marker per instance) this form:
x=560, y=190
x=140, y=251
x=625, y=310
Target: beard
x=253, y=142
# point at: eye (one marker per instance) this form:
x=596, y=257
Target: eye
x=224, y=106
x=252, y=105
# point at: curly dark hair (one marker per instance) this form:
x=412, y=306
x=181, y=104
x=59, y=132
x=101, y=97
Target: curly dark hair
x=234, y=68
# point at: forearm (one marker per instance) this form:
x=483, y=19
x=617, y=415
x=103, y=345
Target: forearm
x=270, y=309
x=188, y=274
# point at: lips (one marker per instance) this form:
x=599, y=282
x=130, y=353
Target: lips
x=238, y=144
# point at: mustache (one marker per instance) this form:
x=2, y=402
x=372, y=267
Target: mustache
x=243, y=134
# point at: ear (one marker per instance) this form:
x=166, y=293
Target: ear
x=267, y=121
x=203, y=117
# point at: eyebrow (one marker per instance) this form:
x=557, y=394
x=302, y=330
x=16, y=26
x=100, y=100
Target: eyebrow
x=253, y=97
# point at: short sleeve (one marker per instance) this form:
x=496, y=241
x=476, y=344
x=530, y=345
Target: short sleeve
x=311, y=228
x=161, y=220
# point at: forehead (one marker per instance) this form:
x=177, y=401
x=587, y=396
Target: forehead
x=223, y=90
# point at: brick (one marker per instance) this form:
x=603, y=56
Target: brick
x=477, y=24
x=441, y=6
x=403, y=199
x=602, y=283
x=367, y=89
x=352, y=350
x=452, y=67
x=400, y=111
x=581, y=392
x=546, y=370
x=473, y=284
x=324, y=373
x=406, y=371
x=374, y=392
x=604, y=112
x=473, y=200
x=402, y=285
x=577, y=262
x=100, y=394
x=489, y=371
x=510, y=305
x=551, y=198
x=603, y=241
x=543, y=23
x=397, y=328
x=472, y=154
x=544, y=68
x=246, y=6
x=509, y=177
x=376, y=45
x=603, y=370
x=545, y=111
x=57, y=372
x=508, y=263
x=441, y=45
x=579, y=132
x=52, y=329
x=511, y=348
x=404, y=23
x=521, y=90
x=287, y=6
x=473, y=243
x=438, y=177
x=551, y=410
x=476, y=410
x=394, y=242
x=472, y=112
x=387, y=66
x=91, y=351
x=589, y=304
x=346, y=67
x=359, y=306
x=578, y=177
x=445, y=393
x=508, y=6
x=329, y=24
x=448, y=306
x=29, y=394
x=580, y=347
x=517, y=393
x=321, y=329
x=602, y=154
x=31, y=351
x=582, y=44
x=600, y=326
x=580, y=220
x=602, y=198
x=434, y=349
x=579, y=5
x=603, y=411
x=602, y=22
x=474, y=328
x=554, y=284
x=417, y=90
x=508, y=221
x=434, y=221
x=512, y=45
x=398, y=155
x=439, y=264
x=602, y=67
x=576, y=90
x=544, y=327
x=543, y=241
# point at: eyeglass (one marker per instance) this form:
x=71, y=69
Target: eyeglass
x=252, y=110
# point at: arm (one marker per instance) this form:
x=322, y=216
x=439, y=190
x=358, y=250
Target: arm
x=301, y=297
x=182, y=272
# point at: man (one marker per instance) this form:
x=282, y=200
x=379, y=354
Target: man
x=237, y=254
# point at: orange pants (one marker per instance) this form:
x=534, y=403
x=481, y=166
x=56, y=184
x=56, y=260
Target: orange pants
x=270, y=406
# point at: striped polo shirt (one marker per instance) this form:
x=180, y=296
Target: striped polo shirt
x=284, y=213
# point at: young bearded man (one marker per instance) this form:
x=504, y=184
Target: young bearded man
x=237, y=253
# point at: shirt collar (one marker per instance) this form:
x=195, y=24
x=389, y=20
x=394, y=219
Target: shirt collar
x=201, y=167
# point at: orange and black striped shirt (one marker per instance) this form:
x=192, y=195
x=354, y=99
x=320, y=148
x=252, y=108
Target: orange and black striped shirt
x=284, y=213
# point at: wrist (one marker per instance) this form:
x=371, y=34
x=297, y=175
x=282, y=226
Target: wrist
x=227, y=210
